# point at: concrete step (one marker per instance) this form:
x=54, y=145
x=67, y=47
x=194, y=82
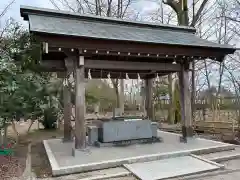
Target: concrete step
x=226, y=147
x=223, y=155
x=118, y=172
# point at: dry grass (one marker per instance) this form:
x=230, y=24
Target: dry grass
x=40, y=163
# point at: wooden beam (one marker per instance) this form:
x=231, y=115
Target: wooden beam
x=153, y=58
x=98, y=74
x=61, y=75
x=80, y=129
x=116, y=54
x=132, y=47
x=127, y=65
x=58, y=65
x=118, y=65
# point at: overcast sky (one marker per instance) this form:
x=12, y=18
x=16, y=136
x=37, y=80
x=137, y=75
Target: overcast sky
x=14, y=10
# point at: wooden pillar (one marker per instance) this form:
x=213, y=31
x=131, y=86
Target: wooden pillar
x=171, y=113
x=122, y=96
x=80, y=129
x=67, y=104
x=193, y=94
x=185, y=101
x=143, y=97
x=149, y=98
x=67, y=110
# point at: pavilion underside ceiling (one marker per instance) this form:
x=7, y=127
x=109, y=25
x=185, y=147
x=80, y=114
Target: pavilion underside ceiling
x=98, y=48
x=119, y=58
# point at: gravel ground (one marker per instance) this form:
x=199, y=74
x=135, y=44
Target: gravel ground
x=11, y=166
x=14, y=166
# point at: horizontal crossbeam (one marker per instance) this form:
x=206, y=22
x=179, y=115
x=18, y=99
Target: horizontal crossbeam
x=116, y=65
x=127, y=65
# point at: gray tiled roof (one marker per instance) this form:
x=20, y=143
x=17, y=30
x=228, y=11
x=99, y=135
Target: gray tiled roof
x=26, y=10
x=109, y=28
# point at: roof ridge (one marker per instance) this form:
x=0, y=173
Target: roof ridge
x=26, y=10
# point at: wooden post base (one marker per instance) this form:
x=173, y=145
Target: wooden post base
x=189, y=131
x=67, y=140
x=186, y=133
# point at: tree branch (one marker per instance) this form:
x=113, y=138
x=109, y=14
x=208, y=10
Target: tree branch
x=173, y=4
x=6, y=8
x=54, y=4
x=124, y=11
x=199, y=12
x=109, y=8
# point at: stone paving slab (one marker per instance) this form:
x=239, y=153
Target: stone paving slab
x=223, y=155
x=106, y=157
x=230, y=172
x=170, y=167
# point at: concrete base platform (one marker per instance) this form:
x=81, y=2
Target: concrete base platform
x=129, y=143
x=94, y=158
x=171, y=167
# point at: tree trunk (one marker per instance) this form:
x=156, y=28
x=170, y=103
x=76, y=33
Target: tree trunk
x=3, y=134
x=29, y=128
x=15, y=131
x=1, y=138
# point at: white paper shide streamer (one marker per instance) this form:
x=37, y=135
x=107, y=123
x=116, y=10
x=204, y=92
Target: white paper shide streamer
x=127, y=76
x=89, y=74
x=139, y=78
x=157, y=78
x=109, y=76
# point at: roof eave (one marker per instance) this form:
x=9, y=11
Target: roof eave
x=24, y=13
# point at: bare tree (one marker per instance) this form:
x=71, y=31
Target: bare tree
x=2, y=13
x=181, y=9
x=5, y=9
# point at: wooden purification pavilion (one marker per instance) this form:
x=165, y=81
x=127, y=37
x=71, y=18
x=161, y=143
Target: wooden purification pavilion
x=78, y=43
